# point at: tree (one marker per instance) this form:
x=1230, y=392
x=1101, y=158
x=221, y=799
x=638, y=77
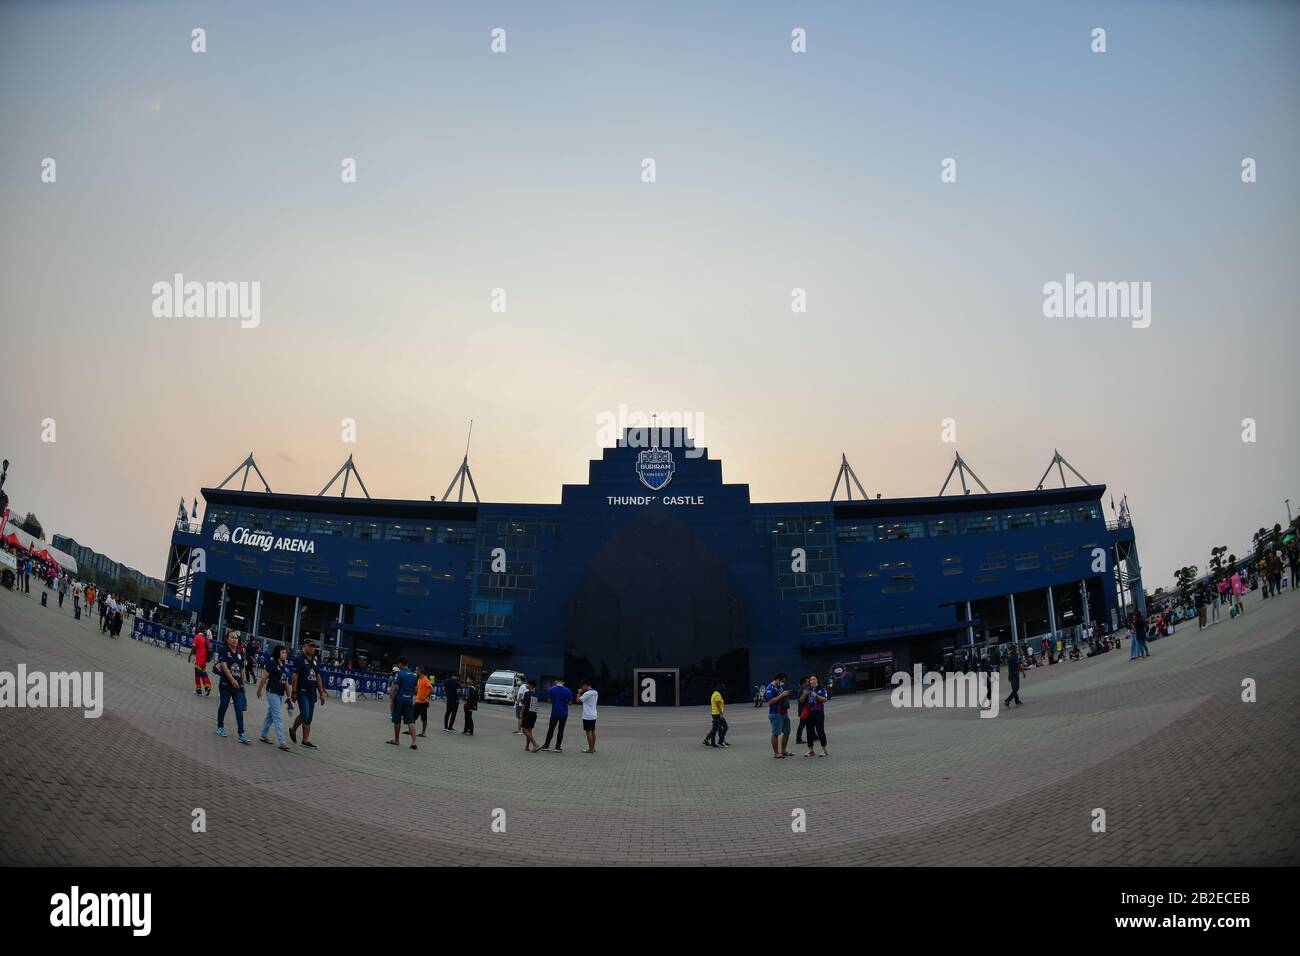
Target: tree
x=1216, y=560
x=32, y=525
x=1185, y=578
x=127, y=589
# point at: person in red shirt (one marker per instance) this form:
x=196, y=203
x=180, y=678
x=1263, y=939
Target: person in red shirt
x=199, y=655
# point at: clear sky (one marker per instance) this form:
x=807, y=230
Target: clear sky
x=775, y=171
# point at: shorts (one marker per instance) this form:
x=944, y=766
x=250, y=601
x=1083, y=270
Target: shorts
x=403, y=711
x=518, y=709
x=588, y=725
x=530, y=720
x=306, y=706
x=780, y=724
x=421, y=711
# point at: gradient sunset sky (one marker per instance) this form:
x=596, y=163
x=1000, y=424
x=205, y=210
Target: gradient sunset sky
x=775, y=170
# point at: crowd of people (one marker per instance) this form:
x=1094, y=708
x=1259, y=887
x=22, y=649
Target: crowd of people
x=295, y=683
x=85, y=598
x=298, y=682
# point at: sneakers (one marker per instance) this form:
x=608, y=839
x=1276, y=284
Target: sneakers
x=221, y=731
x=724, y=744
x=540, y=749
x=243, y=738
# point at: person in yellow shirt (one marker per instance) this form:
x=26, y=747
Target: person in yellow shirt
x=423, y=694
x=717, y=706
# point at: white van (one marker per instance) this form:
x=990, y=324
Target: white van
x=499, y=688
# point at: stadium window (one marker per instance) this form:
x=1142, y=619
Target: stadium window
x=1056, y=516
x=330, y=528
x=366, y=530
x=1021, y=519
x=942, y=527
x=899, y=530
x=288, y=524
x=978, y=524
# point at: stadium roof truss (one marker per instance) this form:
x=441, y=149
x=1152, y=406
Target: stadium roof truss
x=1060, y=464
x=347, y=470
x=961, y=469
x=247, y=465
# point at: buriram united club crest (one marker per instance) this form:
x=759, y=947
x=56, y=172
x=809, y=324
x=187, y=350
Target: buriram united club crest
x=655, y=467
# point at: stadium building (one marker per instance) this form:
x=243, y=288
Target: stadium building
x=656, y=575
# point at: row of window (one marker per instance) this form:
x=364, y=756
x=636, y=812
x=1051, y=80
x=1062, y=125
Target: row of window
x=965, y=524
x=357, y=529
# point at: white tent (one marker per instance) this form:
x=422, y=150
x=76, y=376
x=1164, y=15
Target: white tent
x=25, y=540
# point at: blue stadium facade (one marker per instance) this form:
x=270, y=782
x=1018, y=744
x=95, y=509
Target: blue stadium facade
x=656, y=569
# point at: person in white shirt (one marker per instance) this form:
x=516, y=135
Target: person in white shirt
x=588, y=695
x=520, y=691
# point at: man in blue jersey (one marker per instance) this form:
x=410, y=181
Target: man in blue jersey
x=402, y=693
x=307, y=687
x=561, y=697
x=778, y=714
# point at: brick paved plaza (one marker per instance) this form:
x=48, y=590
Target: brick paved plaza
x=1186, y=772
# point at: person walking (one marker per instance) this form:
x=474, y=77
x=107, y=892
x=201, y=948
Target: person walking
x=1013, y=675
x=423, y=693
x=1201, y=610
x=815, y=698
x=275, y=681
x=778, y=714
x=451, y=687
x=230, y=667
x=307, y=688
x=62, y=588
x=200, y=650
x=1139, y=641
x=588, y=695
x=471, y=705
x=560, y=697
x=529, y=721
x=402, y=693
x=717, y=736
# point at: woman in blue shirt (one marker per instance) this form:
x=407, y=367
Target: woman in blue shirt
x=814, y=697
x=274, y=680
